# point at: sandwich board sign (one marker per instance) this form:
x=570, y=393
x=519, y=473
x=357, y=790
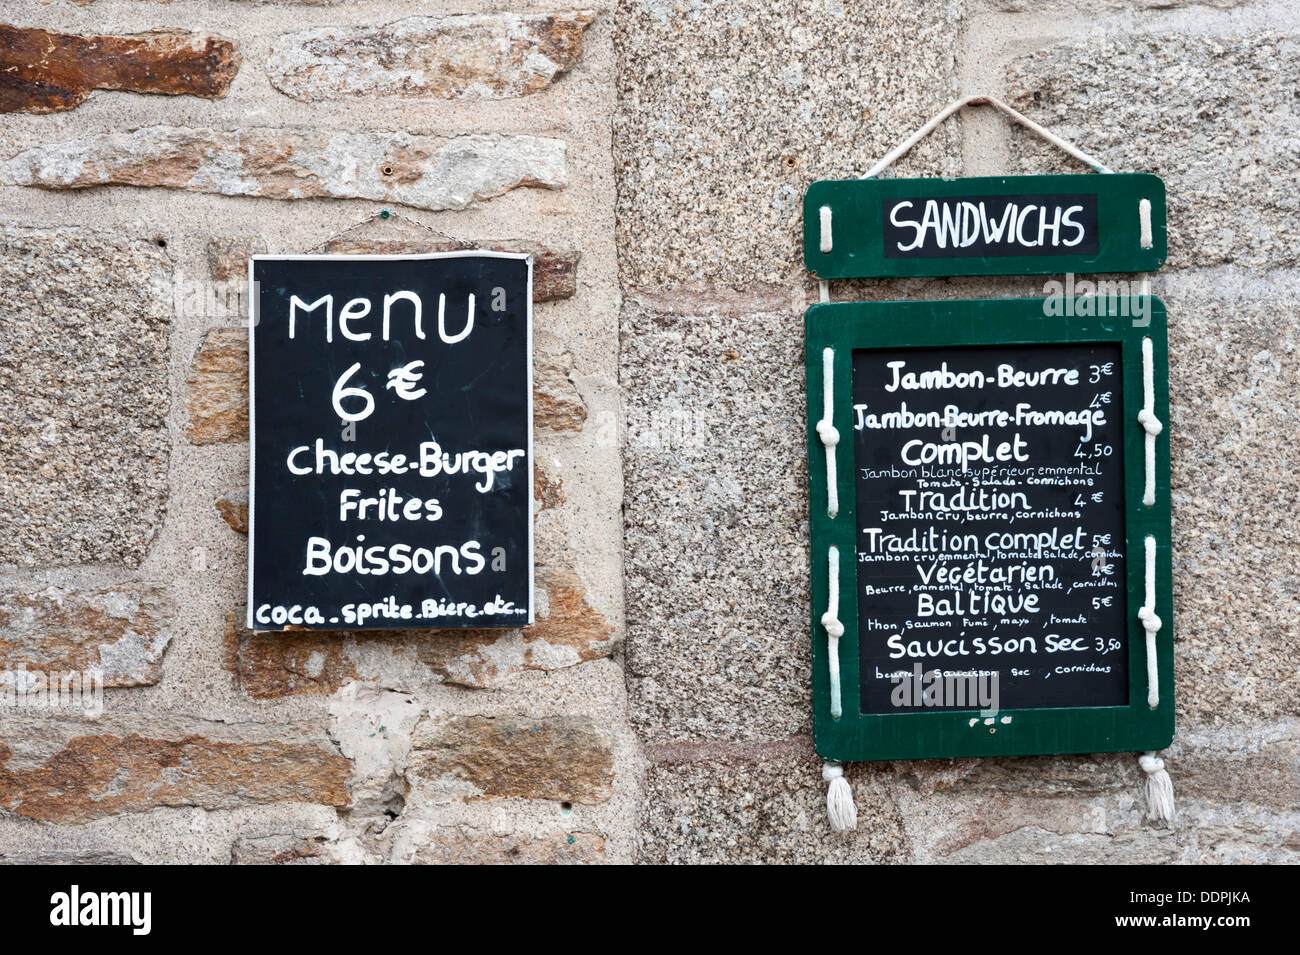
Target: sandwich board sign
x=391, y=441
x=989, y=491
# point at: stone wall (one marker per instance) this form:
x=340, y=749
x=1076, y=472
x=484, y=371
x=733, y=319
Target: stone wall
x=145, y=150
x=653, y=156
x=726, y=112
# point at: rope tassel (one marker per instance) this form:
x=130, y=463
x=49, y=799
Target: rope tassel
x=1159, y=788
x=839, y=799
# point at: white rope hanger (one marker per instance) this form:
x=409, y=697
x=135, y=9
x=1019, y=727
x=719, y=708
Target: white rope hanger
x=1151, y=624
x=827, y=239
x=834, y=629
x=983, y=100
x=840, y=810
x=1150, y=423
x=1159, y=787
x=828, y=433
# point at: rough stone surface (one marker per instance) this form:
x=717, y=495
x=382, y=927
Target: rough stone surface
x=474, y=56
x=1235, y=834
x=217, y=390
x=548, y=492
x=84, y=326
x=122, y=633
x=233, y=508
x=568, y=631
x=272, y=665
x=1076, y=776
x=1255, y=765
x=297, y=756
x=372, y=727
x=1040, y=809
x=44, y=72
x=74, y=857
x=1235, y=788
x=459, y=845
x=557, y=405
x=216, y=394
x=727, y=804
x=1095, y=6
x=299, y=3
x=728, y=110
x=564, y=758
x=715, y=518
x=71, y=771
x=228, y=258
x=291, y=848
x=1227, y=156
x=420, y=171
x=1038, y=832
x=555, y=274
x=1234, y=389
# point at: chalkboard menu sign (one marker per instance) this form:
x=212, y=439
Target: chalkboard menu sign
x=391, y=446
x=990, y=526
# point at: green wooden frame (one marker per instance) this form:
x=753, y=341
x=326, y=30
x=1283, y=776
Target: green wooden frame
x=857, y=225
x=866, y=325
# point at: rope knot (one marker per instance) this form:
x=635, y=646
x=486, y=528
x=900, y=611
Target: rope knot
x=832, y=624
x=832, y=771
x=829, y=434
x=1151, y=763
x=1149, y=619
x=1150, y=422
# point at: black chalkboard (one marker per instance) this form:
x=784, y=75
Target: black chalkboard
x=391, y=447
x=989, y=486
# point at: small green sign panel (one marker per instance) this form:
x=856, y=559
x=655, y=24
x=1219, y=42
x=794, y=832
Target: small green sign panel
x=990, y=526
x=1002, y=225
